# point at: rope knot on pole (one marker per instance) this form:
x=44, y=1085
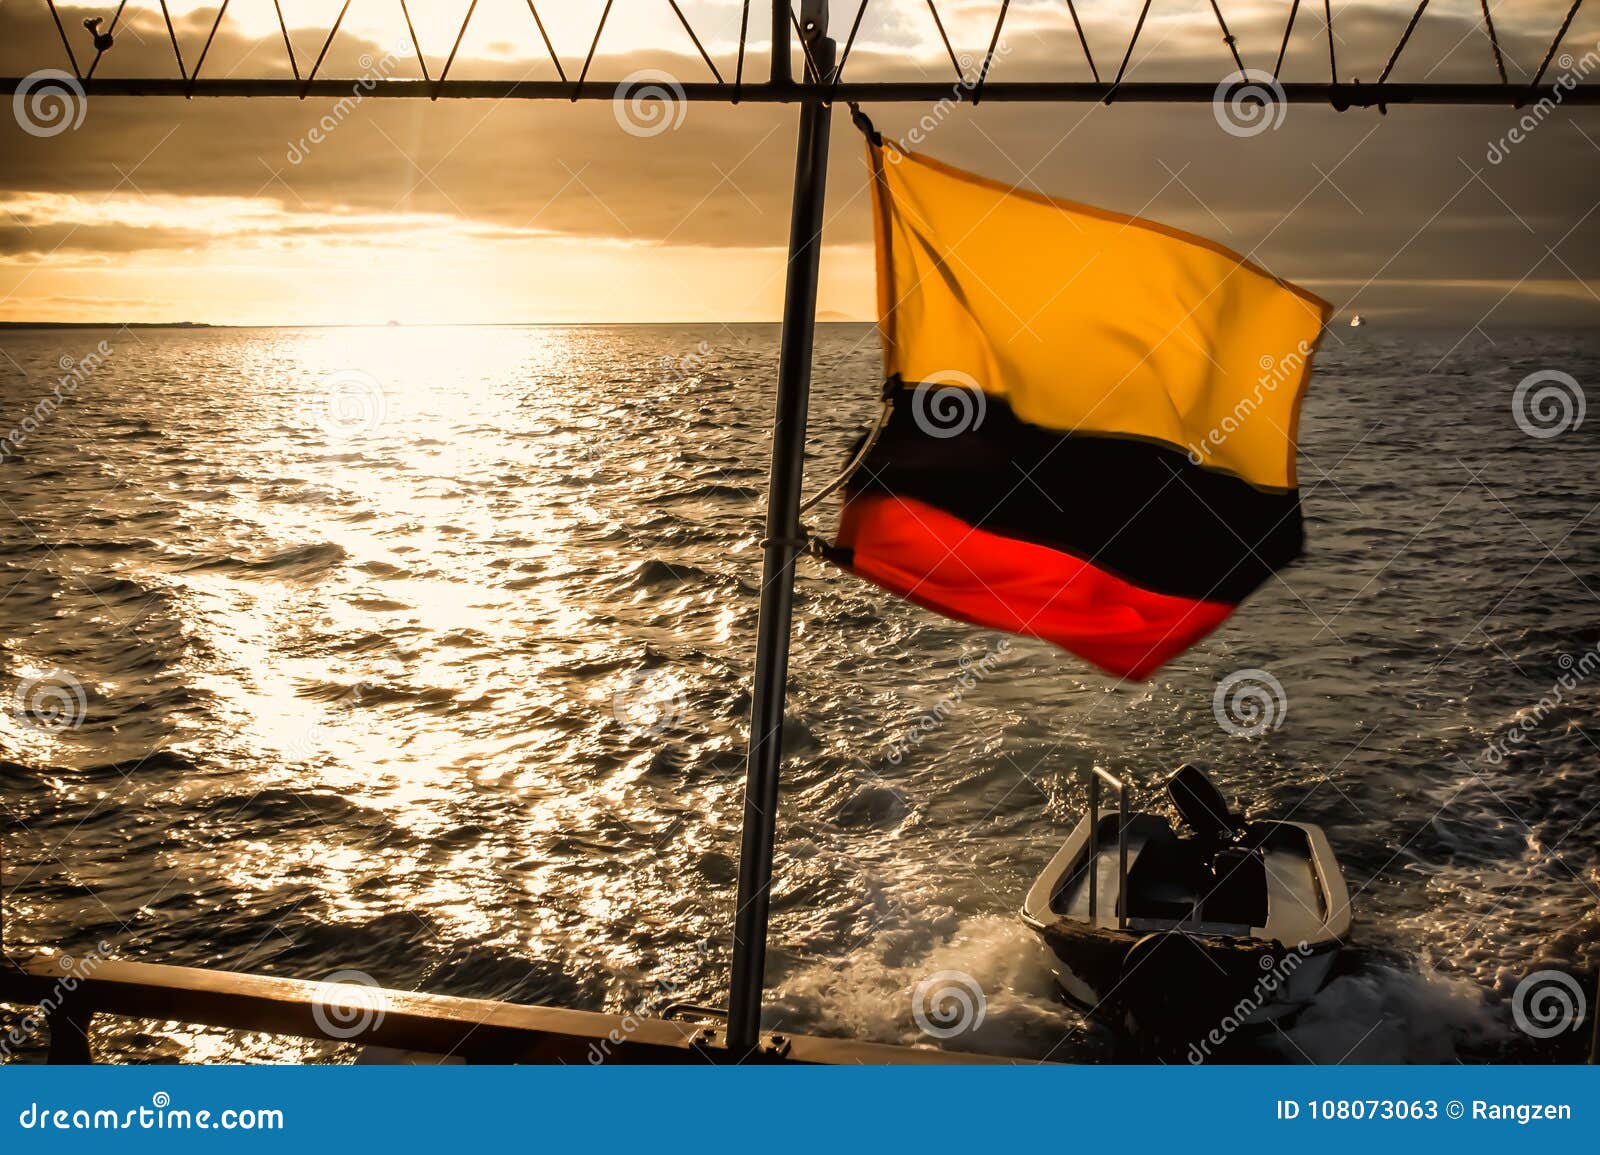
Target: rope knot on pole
x=101, y=40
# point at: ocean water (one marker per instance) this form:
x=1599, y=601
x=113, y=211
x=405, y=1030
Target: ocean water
x=421, y=654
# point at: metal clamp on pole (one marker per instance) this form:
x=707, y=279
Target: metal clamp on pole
x=765, y=751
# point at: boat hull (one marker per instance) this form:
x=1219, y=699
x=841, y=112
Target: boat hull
x=1240, y=983
x=1183, y=952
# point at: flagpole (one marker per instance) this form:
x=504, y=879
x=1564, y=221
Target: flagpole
x=783, y=538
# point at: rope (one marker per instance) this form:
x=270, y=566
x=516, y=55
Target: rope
x=65, y=43
x=886, y=409
x=99, y=52
x=1228, y=37
x=1556, y=43
x=807, y=541
x=864, y=123
x=854, y=464
x=1494, y=42
x=561, y=73
x=1284, y=47
x=1399, y=48
x=173, y=36
x=994, y=41
x=689, y=28
x=939, y=24
x=1084, y=40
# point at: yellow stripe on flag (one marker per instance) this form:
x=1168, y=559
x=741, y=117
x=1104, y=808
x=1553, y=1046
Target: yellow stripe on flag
x=1089, y=321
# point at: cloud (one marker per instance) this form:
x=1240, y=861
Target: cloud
x=1351, y=200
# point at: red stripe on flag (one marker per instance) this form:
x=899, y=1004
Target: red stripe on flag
x=940, y=562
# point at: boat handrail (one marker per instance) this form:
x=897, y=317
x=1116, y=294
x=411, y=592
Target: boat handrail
x=1097, y=775
x=1108, y=778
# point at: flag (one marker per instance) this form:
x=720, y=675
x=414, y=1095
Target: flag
x=1091, y=436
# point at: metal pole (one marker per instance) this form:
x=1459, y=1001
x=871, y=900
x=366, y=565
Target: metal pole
x=1094, y=844
x=1122, y=857
x=781, y=547
x=1337, y=96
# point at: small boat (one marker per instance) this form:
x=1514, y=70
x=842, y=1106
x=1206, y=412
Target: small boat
x=1167, y=934
x=1357, y=321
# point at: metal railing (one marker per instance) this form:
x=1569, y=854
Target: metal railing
x=284, y=74
x=1096, y=776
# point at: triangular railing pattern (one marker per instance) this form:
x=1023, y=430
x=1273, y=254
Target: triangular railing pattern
x=85, y=51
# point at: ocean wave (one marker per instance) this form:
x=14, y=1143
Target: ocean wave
x=292, y=563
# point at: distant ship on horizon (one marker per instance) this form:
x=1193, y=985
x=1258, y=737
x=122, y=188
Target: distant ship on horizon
x=1357, y=321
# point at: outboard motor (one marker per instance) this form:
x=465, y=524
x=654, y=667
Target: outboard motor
x=1202, y=806
x=1237, y=889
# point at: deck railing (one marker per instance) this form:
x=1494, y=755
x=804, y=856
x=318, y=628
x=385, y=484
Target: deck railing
x=69, y=993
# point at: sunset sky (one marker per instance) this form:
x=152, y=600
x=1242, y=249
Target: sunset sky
x=226, y=211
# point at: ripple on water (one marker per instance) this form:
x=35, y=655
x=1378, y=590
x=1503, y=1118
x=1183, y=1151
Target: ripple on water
x=361, y=688
x=304, y=562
